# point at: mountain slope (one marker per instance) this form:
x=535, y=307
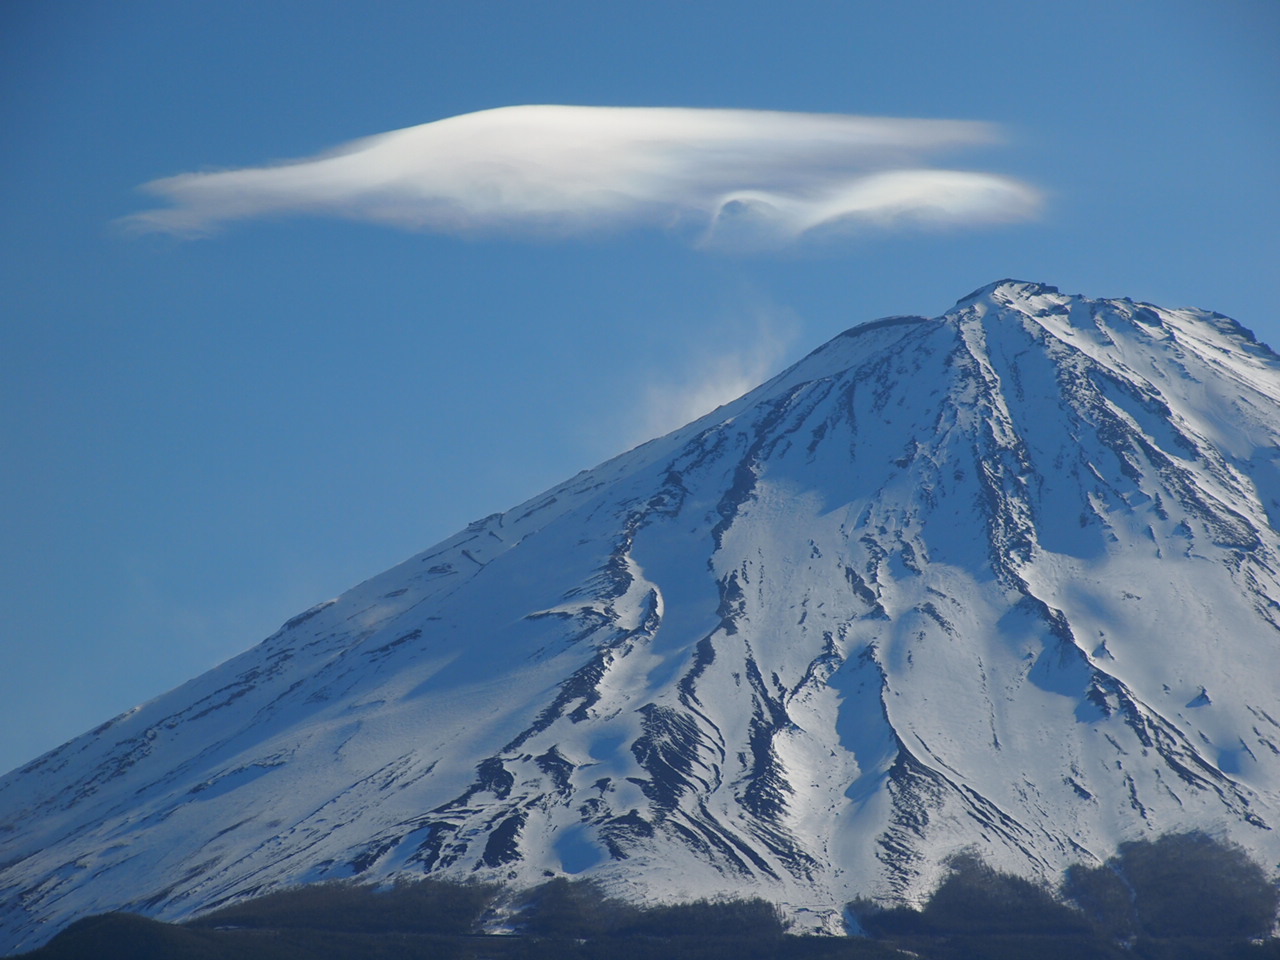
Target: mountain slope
x=1005, y=578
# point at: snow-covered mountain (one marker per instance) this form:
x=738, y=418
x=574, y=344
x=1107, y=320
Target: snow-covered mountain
x=1006, y=578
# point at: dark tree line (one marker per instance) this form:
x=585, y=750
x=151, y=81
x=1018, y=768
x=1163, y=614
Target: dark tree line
x=422, y=906
x=559, y=908
x=975, y=899
x=568, y=908
x=1184, y=896
x=1180, y=885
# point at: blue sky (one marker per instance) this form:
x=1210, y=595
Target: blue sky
x=199, y=438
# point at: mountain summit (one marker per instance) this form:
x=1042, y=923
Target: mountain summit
x=1004, y=579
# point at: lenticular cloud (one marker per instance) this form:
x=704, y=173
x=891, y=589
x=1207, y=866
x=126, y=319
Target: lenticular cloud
x=725, y=175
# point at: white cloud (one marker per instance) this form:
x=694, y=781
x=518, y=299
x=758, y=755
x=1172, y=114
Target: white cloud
x=724, y=175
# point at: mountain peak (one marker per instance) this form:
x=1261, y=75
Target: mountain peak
x=942, y=584
x=1007, y=291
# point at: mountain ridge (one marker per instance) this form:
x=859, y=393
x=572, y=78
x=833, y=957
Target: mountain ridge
x=1003, y=578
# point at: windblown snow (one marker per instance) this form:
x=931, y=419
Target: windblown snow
x=1005, y=579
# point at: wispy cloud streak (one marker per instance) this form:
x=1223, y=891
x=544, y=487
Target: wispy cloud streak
x=722, y=175
x=749, y=350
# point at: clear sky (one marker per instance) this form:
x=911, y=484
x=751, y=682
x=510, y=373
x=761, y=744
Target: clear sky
x=202, y=436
